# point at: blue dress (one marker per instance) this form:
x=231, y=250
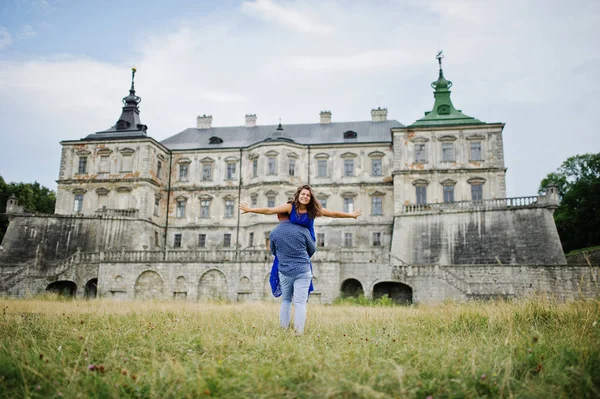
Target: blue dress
x=301, y=219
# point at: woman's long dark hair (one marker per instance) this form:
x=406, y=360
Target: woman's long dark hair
x=313, y=207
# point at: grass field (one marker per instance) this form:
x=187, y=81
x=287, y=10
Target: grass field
x=105, y=349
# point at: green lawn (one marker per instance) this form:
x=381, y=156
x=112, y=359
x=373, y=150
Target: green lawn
x=106, y=349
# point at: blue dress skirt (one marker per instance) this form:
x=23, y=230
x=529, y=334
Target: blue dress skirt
x=301, y=219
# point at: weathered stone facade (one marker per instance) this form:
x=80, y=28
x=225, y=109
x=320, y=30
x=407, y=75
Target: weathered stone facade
x=136, y=218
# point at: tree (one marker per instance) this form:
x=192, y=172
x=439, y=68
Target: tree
x=578, y=216
x=32, y=196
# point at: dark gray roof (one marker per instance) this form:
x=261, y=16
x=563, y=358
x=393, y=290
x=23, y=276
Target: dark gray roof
x=310, y=133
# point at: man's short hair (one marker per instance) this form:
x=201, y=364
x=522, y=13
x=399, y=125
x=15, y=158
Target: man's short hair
x=283, y=216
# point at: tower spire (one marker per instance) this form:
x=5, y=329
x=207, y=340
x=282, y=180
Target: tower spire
x=443, y=112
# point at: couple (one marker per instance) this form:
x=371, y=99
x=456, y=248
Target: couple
x=293, y=243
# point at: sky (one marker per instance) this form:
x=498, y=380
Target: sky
x=65, y=66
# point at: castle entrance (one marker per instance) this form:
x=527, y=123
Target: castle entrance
x=62, y=288
x=352, y=288
x=399, y=293
x=91, y=288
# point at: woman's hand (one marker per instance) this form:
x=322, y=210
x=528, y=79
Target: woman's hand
x=356, y=213
x=244, y=207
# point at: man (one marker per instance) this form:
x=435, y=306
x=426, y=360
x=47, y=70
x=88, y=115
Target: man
x=293, y=246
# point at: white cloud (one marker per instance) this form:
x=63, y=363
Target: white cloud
x=533, y=70
x=26, y=32
x=286, y=17
x=5, y=38
x=366, y=60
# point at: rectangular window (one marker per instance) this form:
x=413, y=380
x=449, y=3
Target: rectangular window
x=206, y=171
x=104, y=164
x=205, y=209
x=272, y=165
x=270, y=201
x=180, y=210
x=421, y=195
x=448, y=152
x=202, y=240
x=476, y=192
x=448, y=194
x=251, y=240
x=156, y=241
x=377, y=239
x=254, y=167
x=156, y=205
x=348, y=167
x=183, y=171
x=78, y=203
x=376, y=205
x=323, y=201
x=177, y=241
x=127, y=163
x=158, y=169
x=82, y=165
x=347, y=239
x=376, y=169
x=292, y=167
x=322, y=168
x=320, y=239
x=227, y=240
x=230, y=171
x=348, y=204
x=476, y=151
x=229, y=209
x=420, y=155
x=254, y=201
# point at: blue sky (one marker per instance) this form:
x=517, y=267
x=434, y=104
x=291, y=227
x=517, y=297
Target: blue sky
x=64, y=67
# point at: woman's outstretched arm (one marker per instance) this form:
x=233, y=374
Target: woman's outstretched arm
x=338, y=214
x=284, y=208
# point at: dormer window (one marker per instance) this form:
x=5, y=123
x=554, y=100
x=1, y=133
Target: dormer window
x=122, y=125
x=215, y=140
x=350, y=135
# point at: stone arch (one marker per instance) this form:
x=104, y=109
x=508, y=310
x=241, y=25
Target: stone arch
x=212, y=285
x=149, y=285
x=399, y=293
x=91, y=288
x=352, y=288
x=64, y=288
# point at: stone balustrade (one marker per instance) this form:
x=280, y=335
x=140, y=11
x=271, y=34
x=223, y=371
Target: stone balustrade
x=483, y=205
x=128, y=213
x=346, y=255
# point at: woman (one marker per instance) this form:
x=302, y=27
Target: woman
x=303, y=211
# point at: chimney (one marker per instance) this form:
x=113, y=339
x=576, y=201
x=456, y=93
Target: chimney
x=325, y=116
x=204, y=122
x=379, y=114
x=250, y=120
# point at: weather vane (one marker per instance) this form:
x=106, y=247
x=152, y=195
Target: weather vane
x=439, y=57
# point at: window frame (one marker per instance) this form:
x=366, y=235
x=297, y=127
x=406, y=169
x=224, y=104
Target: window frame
x=177, y=240
x=374, y=242
x=374, y=199
x=229, y=208
x=348, y=239
x=205, y=208
x=226, y=240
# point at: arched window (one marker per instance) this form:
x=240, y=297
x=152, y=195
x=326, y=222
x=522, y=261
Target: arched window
x=215, y=140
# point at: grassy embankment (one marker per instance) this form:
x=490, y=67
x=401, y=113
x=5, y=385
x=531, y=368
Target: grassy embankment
x=528, y=349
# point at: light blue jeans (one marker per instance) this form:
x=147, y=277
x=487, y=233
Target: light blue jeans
x=297, y=288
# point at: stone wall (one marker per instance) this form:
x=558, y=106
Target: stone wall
x=495, y=236
x=42, y=241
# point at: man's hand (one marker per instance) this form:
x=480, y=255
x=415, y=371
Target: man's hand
x=356, y=213
x=244, y=207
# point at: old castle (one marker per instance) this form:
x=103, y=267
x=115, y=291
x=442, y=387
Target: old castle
x=138, y=218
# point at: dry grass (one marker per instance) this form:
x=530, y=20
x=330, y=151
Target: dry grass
x=105, y=349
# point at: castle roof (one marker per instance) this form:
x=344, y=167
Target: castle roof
x=309, y=133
